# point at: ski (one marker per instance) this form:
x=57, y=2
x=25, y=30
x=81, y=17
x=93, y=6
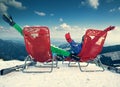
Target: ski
x=12, y=69
x=114, y=69
x=8, y=70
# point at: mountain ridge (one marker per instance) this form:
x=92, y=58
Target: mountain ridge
x=10, y=50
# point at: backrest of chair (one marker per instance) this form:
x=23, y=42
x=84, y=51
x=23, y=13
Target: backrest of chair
x=37, y=42
x=92, y=45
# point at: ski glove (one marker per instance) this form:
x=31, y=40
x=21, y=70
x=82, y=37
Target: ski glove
x=8, y=19
x=68, y=37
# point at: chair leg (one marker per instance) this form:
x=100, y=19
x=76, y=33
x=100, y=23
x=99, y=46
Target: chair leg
x=70, y=62
x=101, y=70
x=26, y=71
x=25, y=64
x=87, y=63
x=55, y=64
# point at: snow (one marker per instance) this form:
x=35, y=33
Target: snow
x=60, y=77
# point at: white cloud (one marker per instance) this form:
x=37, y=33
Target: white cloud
x=9, y=33
x=113, y=37
x=26, y=26
x=3, y=8
x=51, y=14
x=119, y=8
x=61, y=19
x=112, y=10
x=4, y=5
x=40, y=13
x=15, y=4
x=94, y=3
x=58, y=32
x=65, y=26
x=1, y=27
x=83, y=2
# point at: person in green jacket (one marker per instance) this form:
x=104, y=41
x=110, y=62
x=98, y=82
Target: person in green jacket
x=54, y=49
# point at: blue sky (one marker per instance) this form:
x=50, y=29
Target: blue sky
x=61, y=16
x=73, y=12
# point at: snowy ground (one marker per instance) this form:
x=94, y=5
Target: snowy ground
x=60, y=77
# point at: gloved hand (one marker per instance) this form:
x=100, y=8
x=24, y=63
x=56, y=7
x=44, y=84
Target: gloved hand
x=8, y=19
x=109, y=28
x=68, y=37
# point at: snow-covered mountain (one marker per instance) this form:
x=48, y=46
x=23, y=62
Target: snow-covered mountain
x=10, y=50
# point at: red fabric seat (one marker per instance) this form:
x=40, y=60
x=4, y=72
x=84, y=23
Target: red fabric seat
x=37, y=41
x=92, y=45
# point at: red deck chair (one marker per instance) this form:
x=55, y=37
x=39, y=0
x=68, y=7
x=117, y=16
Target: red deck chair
x=92, y=46
x=37, y=42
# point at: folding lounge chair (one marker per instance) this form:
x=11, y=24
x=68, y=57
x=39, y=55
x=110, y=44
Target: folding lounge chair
x=37, y=42
x=92, y=46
